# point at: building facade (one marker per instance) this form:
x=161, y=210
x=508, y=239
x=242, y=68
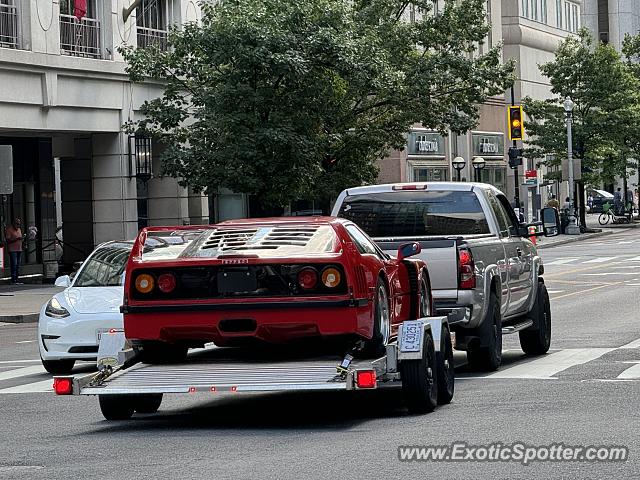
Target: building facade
x=64, y=97
x=611, y=20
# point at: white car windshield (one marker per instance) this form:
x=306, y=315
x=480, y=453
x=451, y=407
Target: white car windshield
x=105, y=267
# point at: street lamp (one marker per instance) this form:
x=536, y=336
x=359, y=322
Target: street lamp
x=572, y=228
x=478, y=164
x=459, y=163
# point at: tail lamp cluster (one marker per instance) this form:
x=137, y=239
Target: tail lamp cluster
x=309, y=277
x=146, y=282
x=466, y=270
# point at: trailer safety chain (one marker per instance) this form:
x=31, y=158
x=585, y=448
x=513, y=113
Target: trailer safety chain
x=101, y=376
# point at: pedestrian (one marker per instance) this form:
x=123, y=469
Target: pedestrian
x=617, y=201
x=13, y=238
x=553, y=202
x=564, y=215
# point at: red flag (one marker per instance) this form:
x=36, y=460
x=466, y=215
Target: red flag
x=80, y=8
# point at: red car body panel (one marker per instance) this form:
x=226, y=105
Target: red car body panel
x=277, y=318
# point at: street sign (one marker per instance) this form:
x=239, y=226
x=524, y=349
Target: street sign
x=531, y=174
x=6, y=169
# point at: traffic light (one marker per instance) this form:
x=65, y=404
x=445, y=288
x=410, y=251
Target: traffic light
x=516, y=123
x=515, y=157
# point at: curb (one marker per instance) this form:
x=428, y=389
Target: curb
x=26, y=318
x=585, y=236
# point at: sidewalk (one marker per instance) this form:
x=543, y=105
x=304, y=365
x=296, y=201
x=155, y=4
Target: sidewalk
x=592, y=223
x=22, y=303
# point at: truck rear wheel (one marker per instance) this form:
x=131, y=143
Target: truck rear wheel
x=419, y=380
x=147, y=403
x=536, y=339
x=488, y=356
x=445, y=369
x=116, y=407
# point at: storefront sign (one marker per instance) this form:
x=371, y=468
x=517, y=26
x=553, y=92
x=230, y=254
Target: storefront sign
x=425, y=143
x=488, y=144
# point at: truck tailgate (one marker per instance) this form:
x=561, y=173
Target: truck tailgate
x=441, y=257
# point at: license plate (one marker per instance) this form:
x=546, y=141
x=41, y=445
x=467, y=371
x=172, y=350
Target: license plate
x=237, y=281
x=411, y=339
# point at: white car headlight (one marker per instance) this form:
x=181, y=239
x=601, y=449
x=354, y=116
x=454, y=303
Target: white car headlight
x=55, y=309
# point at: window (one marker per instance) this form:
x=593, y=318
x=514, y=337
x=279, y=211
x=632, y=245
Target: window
x=567, y=15
x=559, y=14
x=430, y=174
x=416, y=213
x=105, y=267
x=152, y=23
x=79, y=37
x=501, y=216
x=8, y=24
x=363, y=244
x=535, y=10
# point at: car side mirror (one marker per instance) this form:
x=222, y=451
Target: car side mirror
x=550, y=222
x=63, y=281
x=408, y=250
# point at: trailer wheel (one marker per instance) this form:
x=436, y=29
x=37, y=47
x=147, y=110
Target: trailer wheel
x=147, y=403
x=536, y=339
x=419, y=380
x=116, y=407
x=445, y=369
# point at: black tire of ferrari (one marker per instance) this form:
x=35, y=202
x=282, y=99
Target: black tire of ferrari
x=425, y=289
x=58, y=367
x=116, y=407
x=147, y=403
x=488, y=357
x=536, y=339
x=445, y=369
x=420, y=393
x=375, y=347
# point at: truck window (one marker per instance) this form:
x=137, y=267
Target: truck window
x=416, y=213
x=500, y=214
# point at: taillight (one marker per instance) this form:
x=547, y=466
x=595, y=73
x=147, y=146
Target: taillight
x=308, y=278
x=166, y=283
x=144, y=283
x=366, y=378
x=410, y=186
x=466, y=272
x=63, y=385
x=331, y=277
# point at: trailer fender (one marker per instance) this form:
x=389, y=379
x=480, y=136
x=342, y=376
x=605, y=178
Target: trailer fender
x=411, y=335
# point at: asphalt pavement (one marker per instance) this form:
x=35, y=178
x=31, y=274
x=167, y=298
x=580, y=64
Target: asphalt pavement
x=585, y=391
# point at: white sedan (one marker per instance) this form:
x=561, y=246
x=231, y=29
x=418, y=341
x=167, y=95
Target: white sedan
x=72, y=321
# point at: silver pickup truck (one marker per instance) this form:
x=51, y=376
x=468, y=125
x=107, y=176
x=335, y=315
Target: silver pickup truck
x=485, y=273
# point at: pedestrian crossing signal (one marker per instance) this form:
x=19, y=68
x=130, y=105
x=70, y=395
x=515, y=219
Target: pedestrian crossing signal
x=516, y=123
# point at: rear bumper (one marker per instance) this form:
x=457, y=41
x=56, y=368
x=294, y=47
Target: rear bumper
x=273, y=322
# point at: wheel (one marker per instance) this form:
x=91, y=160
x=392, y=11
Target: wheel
x=58, y=367
x=536, y=339
x=147, y=403
x=419, y=380
x=160, y=352
x=381, y=323
x=488, y=356
x=426, y=301
x=445, y=368
x=603, y=219
x=116, y=407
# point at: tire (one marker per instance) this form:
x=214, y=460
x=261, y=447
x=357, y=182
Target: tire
x=419, y=380
x=162, y=353
x=376, y=347
x=58, y=367
x=536, y=339
x=147, y=403
x=445, y=369
x=488, y=357
x=425, y=308
x=116, y=407
x=603, y=219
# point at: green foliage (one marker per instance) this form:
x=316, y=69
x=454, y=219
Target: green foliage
x=289, y=99
x=605, y=92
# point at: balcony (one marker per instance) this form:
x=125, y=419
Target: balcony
x=80, y=38
x=8, y=26
x=150, y=37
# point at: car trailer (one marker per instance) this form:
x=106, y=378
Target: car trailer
x=420, y=362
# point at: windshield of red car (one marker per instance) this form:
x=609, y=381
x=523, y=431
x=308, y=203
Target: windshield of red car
x=249, y=240
x=416, y=213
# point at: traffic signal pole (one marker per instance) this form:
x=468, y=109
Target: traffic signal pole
x=515, y=170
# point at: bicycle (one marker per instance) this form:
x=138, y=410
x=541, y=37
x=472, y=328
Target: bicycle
x=609, y=215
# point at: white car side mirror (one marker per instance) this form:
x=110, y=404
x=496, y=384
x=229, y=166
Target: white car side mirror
x=63, y=281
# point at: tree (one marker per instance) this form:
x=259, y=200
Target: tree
x=289, y=99
x=605, y=93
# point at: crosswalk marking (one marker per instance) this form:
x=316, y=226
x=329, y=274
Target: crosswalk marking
x=600, y=259
x=22, y=372
x=549, y=365
x=561, y=261
x=634, y=344
x=36, y=387
x=634, y=259
x=631, y=372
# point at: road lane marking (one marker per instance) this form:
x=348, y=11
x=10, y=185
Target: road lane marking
x=550, y=365
x=583, y=291
x=26, y=341
x=553, y=292
x=562, y=261
x=22, y=372
x=608, y=273
x=634, y=259
x=631, y=372
x=36, y=387
x=634, y=344
x=600, y=260
x=20, y=361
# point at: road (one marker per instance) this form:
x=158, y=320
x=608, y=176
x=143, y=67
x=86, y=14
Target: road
x=585, y=391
